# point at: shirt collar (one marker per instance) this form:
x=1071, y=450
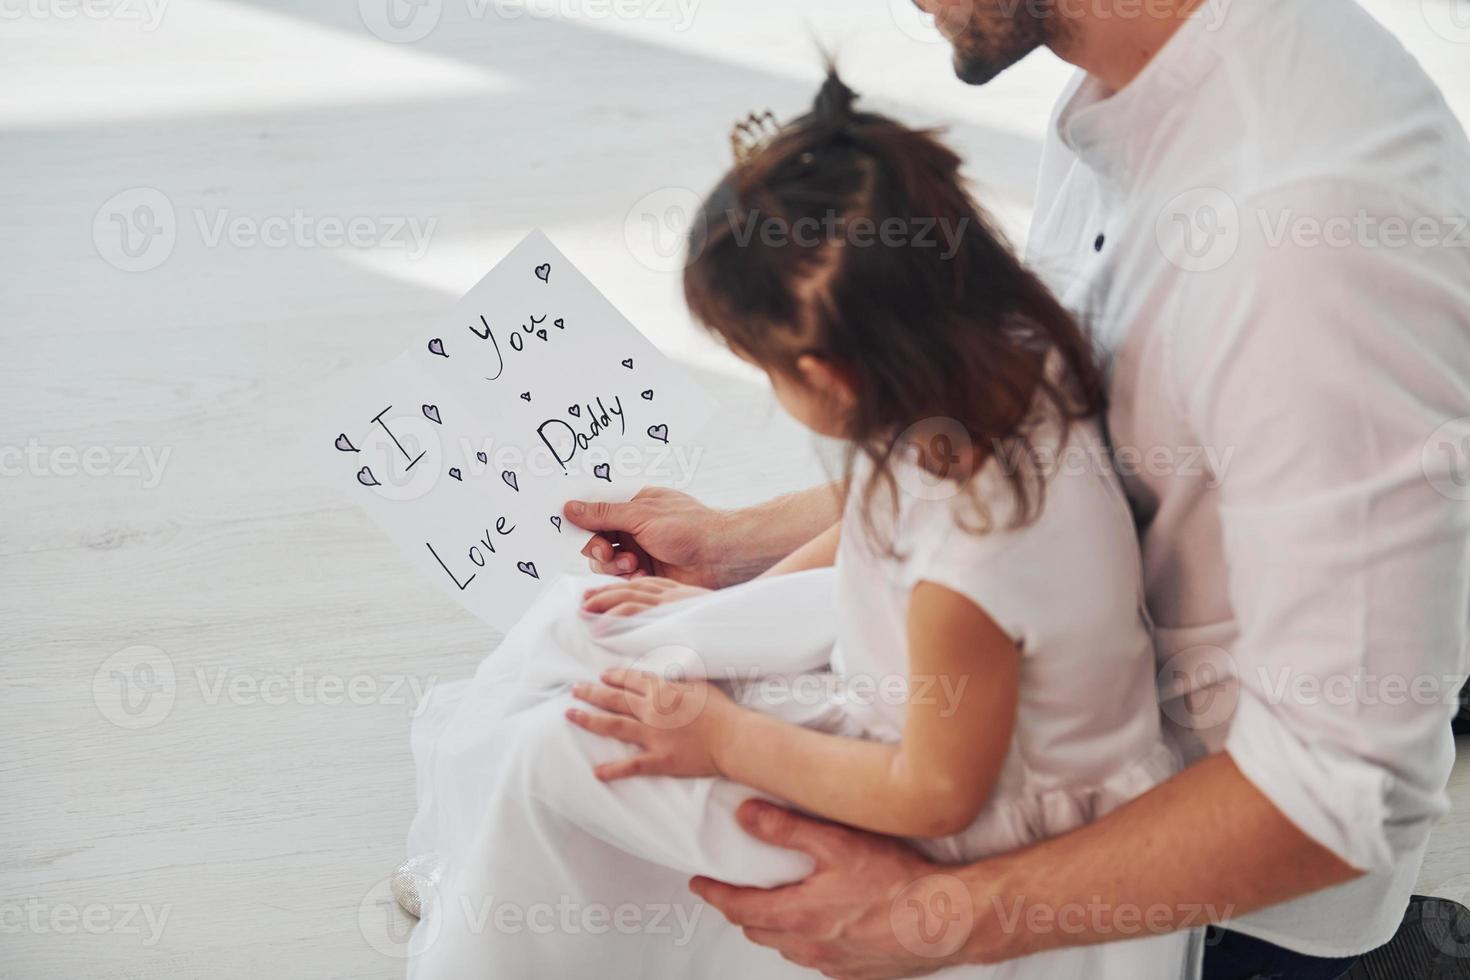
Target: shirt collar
x=1111, y=134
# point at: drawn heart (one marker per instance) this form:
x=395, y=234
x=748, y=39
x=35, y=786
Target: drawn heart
x=436, y=346
x=454, y=472
x=560, y=323
x=556, y=522
x=543, y=272
x=648, y=395
x=541, y=333
x=603, y=472
x=431, y=412
x=659, y=432
x=509, y=477
x=366, y=478
x=345, y=444
x=628, y=363
x=528, y=568
x=525, y=396
x=575, y=411
x=482, y=457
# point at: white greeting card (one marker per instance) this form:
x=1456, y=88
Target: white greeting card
x=533, y=391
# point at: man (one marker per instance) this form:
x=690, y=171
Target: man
x=1259, y=206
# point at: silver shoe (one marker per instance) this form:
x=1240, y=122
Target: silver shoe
x=415, y=880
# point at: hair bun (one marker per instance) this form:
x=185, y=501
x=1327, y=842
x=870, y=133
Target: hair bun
x=834, y=101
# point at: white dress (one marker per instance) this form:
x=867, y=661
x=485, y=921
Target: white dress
x=551, y=873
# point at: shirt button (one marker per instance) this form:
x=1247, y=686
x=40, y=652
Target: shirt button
x=1097, y=245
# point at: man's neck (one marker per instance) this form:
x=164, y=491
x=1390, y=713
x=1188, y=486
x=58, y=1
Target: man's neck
x=1113, y=40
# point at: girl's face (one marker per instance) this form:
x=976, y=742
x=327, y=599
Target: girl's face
x=815, y=393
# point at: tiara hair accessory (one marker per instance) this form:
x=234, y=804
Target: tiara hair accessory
x=752, y=134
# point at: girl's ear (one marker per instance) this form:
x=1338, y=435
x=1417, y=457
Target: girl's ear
x=831, y=381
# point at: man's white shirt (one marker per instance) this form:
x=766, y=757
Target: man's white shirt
x=1269, y=232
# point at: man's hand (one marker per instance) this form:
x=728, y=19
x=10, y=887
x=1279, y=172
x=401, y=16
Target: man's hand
x=871, y=909
x=659, y=532
x=672, y=535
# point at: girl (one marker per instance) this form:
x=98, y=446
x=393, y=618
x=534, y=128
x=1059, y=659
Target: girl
x=992, y=667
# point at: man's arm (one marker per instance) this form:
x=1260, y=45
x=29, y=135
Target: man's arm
x=1204, y=846
x=670, y=534
x=1330, y=384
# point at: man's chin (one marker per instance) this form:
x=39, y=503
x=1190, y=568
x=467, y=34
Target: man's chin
x=978, y=71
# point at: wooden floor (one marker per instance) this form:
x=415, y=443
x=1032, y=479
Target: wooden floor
x=210, y=661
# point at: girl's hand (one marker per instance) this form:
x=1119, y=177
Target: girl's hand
x=637, y=595
x=678, y=724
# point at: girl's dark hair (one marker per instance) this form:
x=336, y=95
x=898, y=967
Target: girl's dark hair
x=790, y=258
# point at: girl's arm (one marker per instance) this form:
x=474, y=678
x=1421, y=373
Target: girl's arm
x=964, y=678
x=963, y=687
x=819, y=552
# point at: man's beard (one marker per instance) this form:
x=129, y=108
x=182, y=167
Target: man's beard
x=995, y=41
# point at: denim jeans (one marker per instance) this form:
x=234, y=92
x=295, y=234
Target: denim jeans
x=1234, y=956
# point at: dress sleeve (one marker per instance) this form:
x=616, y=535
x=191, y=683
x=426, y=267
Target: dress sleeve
x=1075, y=563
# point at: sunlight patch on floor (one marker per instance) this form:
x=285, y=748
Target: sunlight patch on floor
x=155, y=60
